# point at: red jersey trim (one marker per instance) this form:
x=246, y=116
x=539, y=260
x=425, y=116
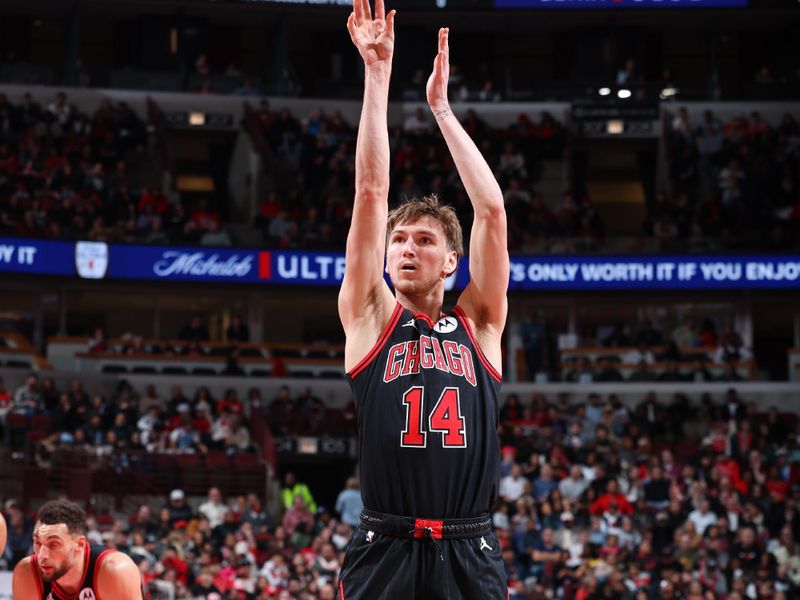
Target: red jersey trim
x=459, y=312
x=341, y=589
x=424, y=317
x=39, y=583
x=387, y=331
x=97, y=564
x=59, y=593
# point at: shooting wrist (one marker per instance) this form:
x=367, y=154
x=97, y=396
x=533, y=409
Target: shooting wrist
x=440, y=113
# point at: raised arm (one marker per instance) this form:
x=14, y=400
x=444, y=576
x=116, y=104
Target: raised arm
x=484, y=299
x=365, y=302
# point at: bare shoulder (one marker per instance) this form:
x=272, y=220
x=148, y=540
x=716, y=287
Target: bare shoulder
x=487, y=324
x=362, y=330
x=119, y=577
x=24, y=581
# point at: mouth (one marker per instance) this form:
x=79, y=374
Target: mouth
x=408, y=268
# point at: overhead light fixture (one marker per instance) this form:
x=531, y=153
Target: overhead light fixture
x=668, y=92
x=197, y=118
x=623, y=93
x=604, y=91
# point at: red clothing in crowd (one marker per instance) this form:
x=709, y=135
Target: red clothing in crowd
x=603, y=503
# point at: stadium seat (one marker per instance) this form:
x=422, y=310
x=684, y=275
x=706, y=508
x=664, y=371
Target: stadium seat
x=114, y=369
x=203, y=371
x=331, y=375
x=17, y=425
x=42, y=423
x=18, y=364
x=144, y=369
x=174, y=370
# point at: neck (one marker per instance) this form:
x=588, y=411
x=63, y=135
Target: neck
x=429, y=304
x=71, y=580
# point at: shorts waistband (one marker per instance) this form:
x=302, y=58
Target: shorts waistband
x=414, y=529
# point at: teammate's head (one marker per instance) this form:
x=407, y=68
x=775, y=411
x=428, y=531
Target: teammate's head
x=58, y=538
x=414, y=209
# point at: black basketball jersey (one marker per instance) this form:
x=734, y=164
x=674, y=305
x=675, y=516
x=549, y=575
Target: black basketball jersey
x=88, y=590
x=426, y=399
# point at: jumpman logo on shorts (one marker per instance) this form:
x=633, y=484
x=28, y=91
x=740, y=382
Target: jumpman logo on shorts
x=484, y=544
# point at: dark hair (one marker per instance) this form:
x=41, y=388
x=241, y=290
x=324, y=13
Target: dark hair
x=61, y=511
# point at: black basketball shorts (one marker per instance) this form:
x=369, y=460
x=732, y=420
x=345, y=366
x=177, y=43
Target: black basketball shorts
x=401, y=558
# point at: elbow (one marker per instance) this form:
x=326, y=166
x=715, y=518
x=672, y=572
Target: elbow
x=372, y=192
x=494, y=210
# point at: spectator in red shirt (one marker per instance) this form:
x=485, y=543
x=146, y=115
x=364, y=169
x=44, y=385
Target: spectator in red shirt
x=603, y=503
x=297, y=514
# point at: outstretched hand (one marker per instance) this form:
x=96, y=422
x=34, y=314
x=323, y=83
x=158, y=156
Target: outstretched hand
x=436, y=89
x=374, y=38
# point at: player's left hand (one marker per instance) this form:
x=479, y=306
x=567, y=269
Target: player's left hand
x=436, y=89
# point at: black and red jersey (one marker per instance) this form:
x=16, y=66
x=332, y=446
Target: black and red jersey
x=88, y=589
x=426, y=399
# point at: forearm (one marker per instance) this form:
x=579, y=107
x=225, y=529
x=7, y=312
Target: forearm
x=476, y=175
x=372, y=144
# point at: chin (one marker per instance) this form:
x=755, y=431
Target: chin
x=54, y=575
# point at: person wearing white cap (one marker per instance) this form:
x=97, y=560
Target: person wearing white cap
x=178, y=509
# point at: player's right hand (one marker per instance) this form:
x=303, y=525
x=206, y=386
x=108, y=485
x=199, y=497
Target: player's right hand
x=374, y=38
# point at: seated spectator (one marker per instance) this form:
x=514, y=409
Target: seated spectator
x=606, y=371
x=642, y=373
x=581, y=372
x=177, y=508
x=214, y=509
x=216, y=235
x=297, y=514
x=731, y=348
x=26, y=396
x=418, y=123
x=611, y=495
x=195, y=330
x=572, y=487
x=97, y=343
x=686, y=335
x=293, y=488
x=640, y=353
x=349, y=504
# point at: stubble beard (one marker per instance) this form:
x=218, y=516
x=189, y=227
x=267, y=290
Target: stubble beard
x=58, y=573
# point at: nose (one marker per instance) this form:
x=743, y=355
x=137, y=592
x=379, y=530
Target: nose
x=409, y=248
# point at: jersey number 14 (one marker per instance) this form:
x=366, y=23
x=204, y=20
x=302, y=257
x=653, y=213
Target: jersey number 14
x=445, y=418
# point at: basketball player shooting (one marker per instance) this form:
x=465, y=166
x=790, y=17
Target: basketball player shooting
x=65, y=565
x=426, y=383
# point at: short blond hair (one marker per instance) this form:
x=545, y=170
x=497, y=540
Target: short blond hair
x=414, y=209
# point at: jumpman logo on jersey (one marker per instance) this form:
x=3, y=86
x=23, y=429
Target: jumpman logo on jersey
x=484, y=544
x=411, y=323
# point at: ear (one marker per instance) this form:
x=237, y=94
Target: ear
x=451, y=263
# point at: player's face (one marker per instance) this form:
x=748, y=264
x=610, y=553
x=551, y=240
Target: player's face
x=56, y=550
x=417, y=257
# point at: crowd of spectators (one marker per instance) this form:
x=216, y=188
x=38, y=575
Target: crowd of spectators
x=126, y=422
x=693, y=350
x=315, y=157
x=221, y=548
x=596, y=500
x=600, y=500
x=67, y=175
x=735, y=185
